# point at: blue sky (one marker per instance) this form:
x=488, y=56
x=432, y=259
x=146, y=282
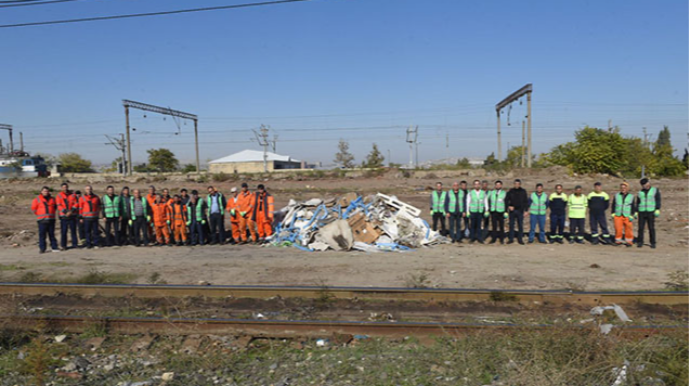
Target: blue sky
x=361, y=70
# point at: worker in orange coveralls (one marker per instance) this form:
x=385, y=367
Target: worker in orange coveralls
x=233, y=210
x=178, y=213
x=161, y=220
x=262, y=214
x=243, y=210
x=151, y=200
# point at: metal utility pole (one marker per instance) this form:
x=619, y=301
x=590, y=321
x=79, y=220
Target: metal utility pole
x=525, y=90
x=164, y=111
x=262, y=139
x=522, y=150
x=21, y=142
x=8, y=128
x=412, y=140
x=121, y=145
x=275, y=140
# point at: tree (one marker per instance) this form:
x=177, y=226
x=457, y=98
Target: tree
x=74, y=163
x=343, y=157
x=189, y=168
x=142, y=168
x=374, y=158
x=664, y=138
x=463, y=163
x=162, y=160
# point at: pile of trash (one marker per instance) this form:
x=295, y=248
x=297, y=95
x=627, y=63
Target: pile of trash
x=371, y=224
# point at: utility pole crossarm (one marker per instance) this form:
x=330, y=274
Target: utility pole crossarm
x=158, y=109
x=514, y=96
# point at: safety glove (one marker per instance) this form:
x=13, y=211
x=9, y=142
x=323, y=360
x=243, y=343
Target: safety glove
x=188, y=223
x=148, y=218
x=232, y=212
x=129, y=222
x=657, y=213
x=613, y=215
x=635, y=216
x=631, y=218
x=168, y=222
x=486, y=214
x=243, y=213
x=431, y=213
x=505, y=214
x=203, y=222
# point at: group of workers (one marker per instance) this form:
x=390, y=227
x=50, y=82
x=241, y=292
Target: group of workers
x=477, y=207
x=154, y=218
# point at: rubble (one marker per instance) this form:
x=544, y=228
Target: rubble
x=371, y=224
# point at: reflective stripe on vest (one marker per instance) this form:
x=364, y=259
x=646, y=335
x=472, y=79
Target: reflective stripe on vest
x=577, y=206
x=199, y=206
x=111, y=206
x=538, y=204
x=452, y=201
x=438, y=203
x=647, y=201
x=178, y=215
x=623, y=207
x=477, y=201
x=90, y=213
x=497, y=201
x=144, y=204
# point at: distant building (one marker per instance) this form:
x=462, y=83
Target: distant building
x=252, y=161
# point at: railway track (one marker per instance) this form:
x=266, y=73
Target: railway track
x=528, y=297
x=292, y=329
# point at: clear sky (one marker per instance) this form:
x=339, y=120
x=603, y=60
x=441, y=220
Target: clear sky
x=361, y=70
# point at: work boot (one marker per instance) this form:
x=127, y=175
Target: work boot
x=493, y=241
x=595, y=241
x=530, y=241
x=639, y=245
x=571, y=240
x=521, y=242
x=542, y=242
x=560, y=241
x=653, y=246
x=501, y=241
x=580, y=241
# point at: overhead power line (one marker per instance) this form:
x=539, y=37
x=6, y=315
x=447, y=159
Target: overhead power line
x=160, y=13
x=25, y=3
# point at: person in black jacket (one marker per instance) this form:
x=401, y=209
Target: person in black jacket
x=517, y=202
x=125, y=236
x=648, y=208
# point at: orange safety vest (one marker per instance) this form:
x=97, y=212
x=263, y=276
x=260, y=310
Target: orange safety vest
x=66, y=204
x=244, y=202
x=89, y=206
x=179, y=215
x=263, y=205
x=44, y=207
x=161, y=213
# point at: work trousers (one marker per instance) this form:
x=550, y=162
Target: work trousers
x=516, y=216
x=180, y=231
x=81, y=231
x=162, y=234
x=46, y=228
x=534, y=220
x=111, y=225
x=439, y=217
x=577, y=229
x=466, y=230
x=476, y=220
x=140, y=231
x=497, y=225
x=243, y=223
x=557, y=226
x=264, y=226
x=68, y=224
x=624, y=229
x=597, y=220
x=646, y=218
x=455, y=226
x=485, y=227
x=235, y=229
x=125, y=236
x=91, y=232
x=217, y=234
x=196, y=233
x=252, y=226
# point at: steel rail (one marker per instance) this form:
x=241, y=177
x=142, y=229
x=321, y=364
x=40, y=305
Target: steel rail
x=285, y=329
x=532, y=297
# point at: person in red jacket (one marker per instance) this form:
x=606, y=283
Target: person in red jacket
x=44, y=208
x=89, y=208
x=67, y=210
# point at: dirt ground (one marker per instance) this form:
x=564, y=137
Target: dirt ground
x=580, y=267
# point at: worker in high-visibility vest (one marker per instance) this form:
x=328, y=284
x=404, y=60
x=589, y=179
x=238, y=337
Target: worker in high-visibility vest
x=111, y=214
x=178, y=220
x=262, y=215
x=648, y=208
x=476, y=207
x=161, y=220
x=438, y=208
x=140, y=216
x=577, y=209
x=215, y=202
x=68, y=210
x=623, y=213
x=196, y=218
x=498, y=212
x=487, y=219
x=44, y=207
x=89, y=209
x=558, y=202
x=455, y=211
x=598, y=202
x=538, y=203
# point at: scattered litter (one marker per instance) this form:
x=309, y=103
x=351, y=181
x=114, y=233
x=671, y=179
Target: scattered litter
x=616, y=308
x=369, y=224
x=60, y=338
x=605, y=328
x=321, y=342
x=167, y=377
x=622, y=374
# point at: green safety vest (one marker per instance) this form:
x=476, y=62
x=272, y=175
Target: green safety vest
x=438, y=203
x=538, y=204
x=577, y=206
x=111, y=206
x=497, y=201
x=452, y=201
x=199, y=214
x=647, y=201
x=144, y=204
x=623, y=207
x=477, y=201
x=220, y=203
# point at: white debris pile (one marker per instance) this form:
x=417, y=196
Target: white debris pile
x=371, y=224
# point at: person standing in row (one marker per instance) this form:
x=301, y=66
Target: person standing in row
x=245, y=206
x=196, y=218
x=81, y=229
x=598, y=202
x=262, y=215
x=486, y=221
x=558, y=202
x=577, y=209
x=184, y=196
x=44, y=207
x=538, y=203
x=161, y=220
x=151, y=200
x=497, y=212
x=111, y=214
x=234, y=214
x=476, y=207
x=125, y=236
x=140, y=212
x=623, y=211
x=648, y=207
x=466, y=219
x=455, y=211
x=438, y=213
x=178, y=214
x=517, y=202
x=67, y=209
x=89, y=209
x=216, y=216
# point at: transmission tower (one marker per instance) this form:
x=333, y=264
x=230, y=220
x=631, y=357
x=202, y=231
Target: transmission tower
x=262, y=140
x=121, y=145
